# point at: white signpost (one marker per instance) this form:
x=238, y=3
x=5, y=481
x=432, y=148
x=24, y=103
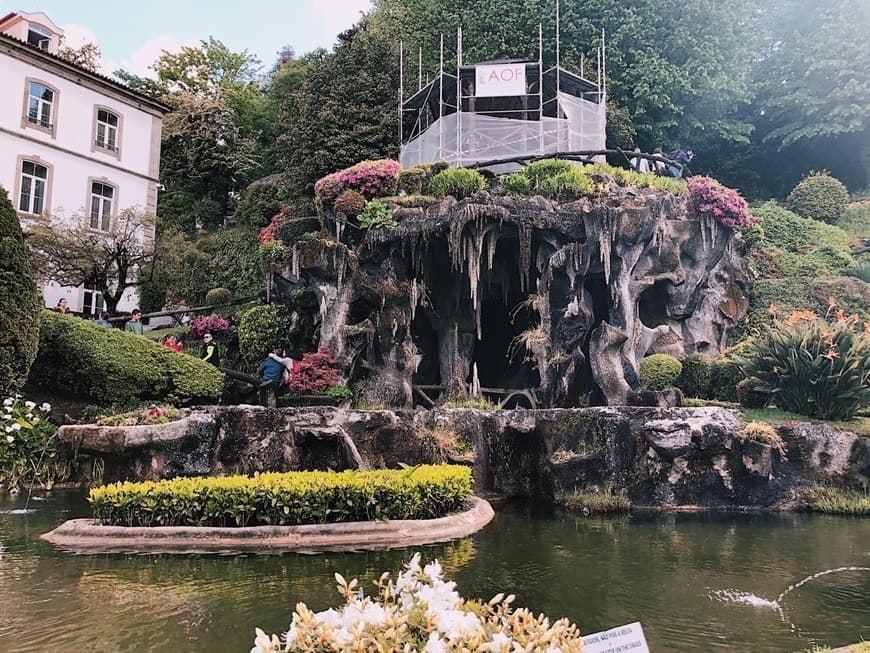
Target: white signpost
x=500, y=80
x=622, y=639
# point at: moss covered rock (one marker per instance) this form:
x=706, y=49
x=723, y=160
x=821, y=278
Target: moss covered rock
x=110, y=366
x=19, y=302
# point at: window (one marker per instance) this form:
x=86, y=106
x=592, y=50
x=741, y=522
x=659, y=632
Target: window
x=39, y=102
x=107, y=130
x=92, y=301
x=102, y=196
x=38, y=36
x=34, y=180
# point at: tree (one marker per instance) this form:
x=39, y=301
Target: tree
x=19, y=302
x=112, y=261
x=87, y=56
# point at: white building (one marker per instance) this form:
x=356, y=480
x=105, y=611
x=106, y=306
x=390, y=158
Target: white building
x=76, y=147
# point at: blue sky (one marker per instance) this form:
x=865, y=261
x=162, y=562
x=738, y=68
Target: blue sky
x=131, y=34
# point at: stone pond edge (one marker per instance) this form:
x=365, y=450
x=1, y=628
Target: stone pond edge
x=83, y=536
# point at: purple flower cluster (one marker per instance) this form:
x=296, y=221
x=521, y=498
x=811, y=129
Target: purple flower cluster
x=213, y=324
x=371, y=178
x=723, y=203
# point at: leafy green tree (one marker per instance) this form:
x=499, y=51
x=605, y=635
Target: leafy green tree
x=88, y=56
x=19, y=303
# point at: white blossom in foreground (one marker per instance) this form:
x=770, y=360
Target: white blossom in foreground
x=420, y=613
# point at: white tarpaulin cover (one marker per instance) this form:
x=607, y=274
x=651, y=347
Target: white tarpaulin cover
x=466, y=138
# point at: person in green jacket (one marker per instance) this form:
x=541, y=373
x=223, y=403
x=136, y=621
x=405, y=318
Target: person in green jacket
x=134, y=324
x=209, y=351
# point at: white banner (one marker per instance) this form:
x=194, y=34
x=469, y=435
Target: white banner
x=622, y=639
x=500, y=80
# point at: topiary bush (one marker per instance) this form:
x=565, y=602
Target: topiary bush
x=350, y=202
x=261, y=329
x=376, y=215
x=410, y=181
x=659, y=371
x=813, y=366
x=218, y=296
x=19, y=302
x=694, y=379
x=110, y=366
x=819, y=196
x=457, y=182
x=371, y=178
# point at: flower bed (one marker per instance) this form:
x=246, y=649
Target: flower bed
x=423, y=492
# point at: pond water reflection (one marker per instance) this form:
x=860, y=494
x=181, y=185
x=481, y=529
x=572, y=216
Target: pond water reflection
x=676, y=573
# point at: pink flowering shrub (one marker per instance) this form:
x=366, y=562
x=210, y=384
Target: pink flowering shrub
x=370, y=178
x=314, y=373
x=270, y=231
x=213, y=324
x=725, y=204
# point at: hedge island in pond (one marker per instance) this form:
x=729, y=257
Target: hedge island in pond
x=285, y=499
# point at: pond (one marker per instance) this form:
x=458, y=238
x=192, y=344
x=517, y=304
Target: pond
x=695, y=581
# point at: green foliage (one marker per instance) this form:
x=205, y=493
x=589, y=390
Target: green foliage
x=793, y=233
x=282, y=499
x=596, y=503
x=110, y=366
x=294, y=228
x=694, y=379
x=339, y=392
x=19, y=302
x=376, y=215
x=261, y=329
x=539, y=171
x=568, y=185
x=726, y=372
x=813, y=367
x=749, y=394
x=819, y=196
x=235, y=260
x=410, y=181
x=839, y=501
x=856, y=219
x=659, y=371
x=457, y=182
x=350, y=202
x=28, y=446
x=263, y=199
x=411, y=201
x=788, y=295
x=218, y=296
x=861, y=270
x=516, y=183
x=152, y=414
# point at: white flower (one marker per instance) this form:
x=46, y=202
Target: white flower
x=15, y=427
x=434, y=645
x=9, y=416
x=10, y=439
x=29, y=416
x=30, y=405
x=264, y=644
x=9, y=429
x=45, y=408
x=35, y=420
x=9, y=401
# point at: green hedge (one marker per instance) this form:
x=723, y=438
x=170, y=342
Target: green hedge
x=659, y=371
x=819, y=196
x=110, y=366
x=424, y=492
x=19, y=302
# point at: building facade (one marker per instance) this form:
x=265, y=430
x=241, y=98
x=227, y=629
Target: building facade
x=76, y=148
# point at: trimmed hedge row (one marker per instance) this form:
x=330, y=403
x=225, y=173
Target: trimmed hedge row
x=109, y=366
x=284, y=499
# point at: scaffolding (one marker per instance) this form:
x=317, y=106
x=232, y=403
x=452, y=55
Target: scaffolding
x=501, y=109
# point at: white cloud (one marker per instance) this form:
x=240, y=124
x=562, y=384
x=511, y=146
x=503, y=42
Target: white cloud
x=139, y=62
x=75, y=36
x=338, y=15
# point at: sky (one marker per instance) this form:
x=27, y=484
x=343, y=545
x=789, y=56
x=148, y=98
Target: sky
x=131, y=34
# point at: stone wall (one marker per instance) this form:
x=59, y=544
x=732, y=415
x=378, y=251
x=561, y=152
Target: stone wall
x=658, y=456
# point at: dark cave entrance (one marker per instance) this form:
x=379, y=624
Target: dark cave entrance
x=652, y=305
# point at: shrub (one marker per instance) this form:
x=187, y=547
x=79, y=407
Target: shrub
x=694, y=379
x=371, y=178
x=726, y=373
x=539, y=171
x=424, y=614
x=458, y=182
x=861, y=270
x=516, y=183
x=788, y=295
x=410, y=181
x=315, y=373
x=261, y=329
x=819, y=196
x=595, y=503
x=213, y=324
x=263, y=199
x=793, y=233
x=813, y=367
x=659, y=371
x=28, y=447
x=725, y=205
x=109, y=366
x=19, y=302
x=287, y=498
x=571, y=184
x=295, y=228
x=350, y=203
x=339, y=392
x=749, y=394
x=218, y=296
x=376, y=215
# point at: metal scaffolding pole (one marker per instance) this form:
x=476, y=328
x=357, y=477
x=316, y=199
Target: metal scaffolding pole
x=440, y=103
x=558, y=104
x=401, y=89
x=540, y=89
x=459, y=97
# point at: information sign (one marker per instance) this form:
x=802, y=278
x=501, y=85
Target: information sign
x=622, y=639
x=500, y=80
